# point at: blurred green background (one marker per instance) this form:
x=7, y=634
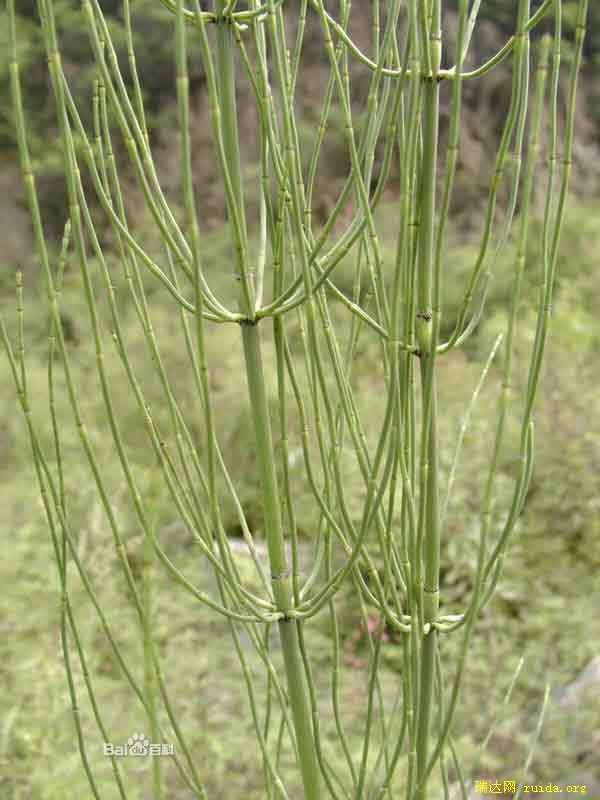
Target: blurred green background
x=546, y=609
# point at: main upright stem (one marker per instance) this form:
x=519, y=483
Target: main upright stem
x=427, y=326
x=280, y=572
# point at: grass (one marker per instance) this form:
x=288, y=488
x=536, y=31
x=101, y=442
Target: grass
x=545, y=608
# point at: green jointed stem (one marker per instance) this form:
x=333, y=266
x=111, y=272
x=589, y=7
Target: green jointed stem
x=280, y=572
x=427, y=325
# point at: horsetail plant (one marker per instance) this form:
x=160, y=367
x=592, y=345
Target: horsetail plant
x=285, y=270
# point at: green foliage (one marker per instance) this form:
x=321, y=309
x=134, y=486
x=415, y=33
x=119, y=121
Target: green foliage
x=153, y=40
x=376, y=475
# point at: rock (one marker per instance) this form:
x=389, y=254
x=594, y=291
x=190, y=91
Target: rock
x=571, y=697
